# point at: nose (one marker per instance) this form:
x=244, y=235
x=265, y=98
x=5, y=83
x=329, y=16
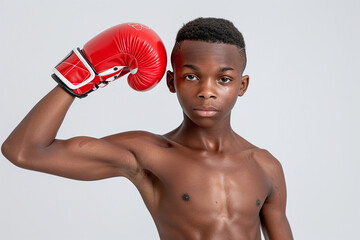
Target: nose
x=207, y=89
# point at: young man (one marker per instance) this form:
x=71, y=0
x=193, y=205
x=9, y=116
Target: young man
x=199, y=181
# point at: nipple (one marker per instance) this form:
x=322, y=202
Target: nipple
x=186, y=197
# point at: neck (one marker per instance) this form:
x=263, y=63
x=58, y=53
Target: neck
x=218, y=137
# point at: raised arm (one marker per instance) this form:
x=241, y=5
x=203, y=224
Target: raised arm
x=125, y=48
x=32, y=145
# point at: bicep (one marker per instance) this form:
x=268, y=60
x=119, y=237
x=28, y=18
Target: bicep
x=83, y=158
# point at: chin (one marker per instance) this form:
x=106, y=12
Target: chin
x=204, y=122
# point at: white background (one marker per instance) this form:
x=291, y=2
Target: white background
x=302, y=105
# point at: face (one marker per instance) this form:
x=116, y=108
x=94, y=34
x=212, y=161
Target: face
x=207, y=79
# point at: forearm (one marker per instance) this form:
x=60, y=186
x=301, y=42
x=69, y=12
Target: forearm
x=39, y=127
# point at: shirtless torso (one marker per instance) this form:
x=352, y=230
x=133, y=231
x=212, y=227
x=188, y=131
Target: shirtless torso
x=195, y=194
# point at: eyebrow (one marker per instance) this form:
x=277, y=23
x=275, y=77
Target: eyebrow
x=191, y=66
x=224, y=69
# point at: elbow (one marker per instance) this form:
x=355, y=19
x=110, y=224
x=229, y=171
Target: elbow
x=14, y=154
x=5, y=149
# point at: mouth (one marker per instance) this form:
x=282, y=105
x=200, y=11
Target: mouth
x=206, y=111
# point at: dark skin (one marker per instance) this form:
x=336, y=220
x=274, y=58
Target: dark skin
x=199, y=181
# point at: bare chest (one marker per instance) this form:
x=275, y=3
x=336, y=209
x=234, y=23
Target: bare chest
x=196, y=190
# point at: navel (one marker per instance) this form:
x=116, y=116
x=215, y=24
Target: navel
x=258, y=202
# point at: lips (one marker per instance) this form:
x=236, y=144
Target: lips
x=206, y=111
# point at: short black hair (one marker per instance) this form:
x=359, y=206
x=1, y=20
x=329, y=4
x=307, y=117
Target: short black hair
x=214, y=30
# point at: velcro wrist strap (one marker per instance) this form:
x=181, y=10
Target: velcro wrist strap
x=75, y=71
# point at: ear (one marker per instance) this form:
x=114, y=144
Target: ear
x=170, y=81
x=244, y=84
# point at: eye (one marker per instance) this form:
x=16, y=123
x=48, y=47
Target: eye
x=225, y=80
x=190, y=77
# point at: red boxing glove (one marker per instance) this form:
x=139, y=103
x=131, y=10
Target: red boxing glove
x=128, y=47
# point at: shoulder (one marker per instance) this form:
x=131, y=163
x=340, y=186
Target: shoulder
x=145, y=147
x=264, y=157
x=267, y=162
